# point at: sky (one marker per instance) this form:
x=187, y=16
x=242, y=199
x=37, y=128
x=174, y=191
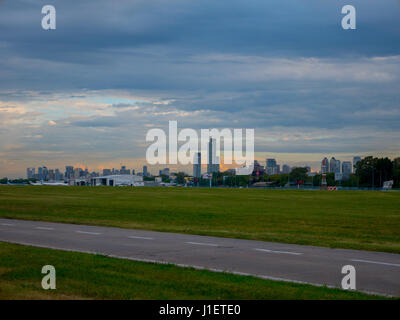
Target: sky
x=86, y=93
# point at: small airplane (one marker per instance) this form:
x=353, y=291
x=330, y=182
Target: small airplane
x=42, y=183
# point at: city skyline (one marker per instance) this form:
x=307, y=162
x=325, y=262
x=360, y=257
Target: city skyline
x=314, y=165
x=271, y=167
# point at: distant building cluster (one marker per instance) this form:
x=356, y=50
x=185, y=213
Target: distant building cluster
x=341, y=170
x=213, y=161
x=72, y=174
x=45, y=174
x=272, y=168
x=79, y=176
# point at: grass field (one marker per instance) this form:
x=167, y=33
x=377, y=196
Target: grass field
x=86, y=276
x=347, y=219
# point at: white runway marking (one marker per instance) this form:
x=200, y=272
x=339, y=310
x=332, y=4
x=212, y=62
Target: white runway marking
x=86, y=232
x=137, y=237
x=283, y=252
x=203, y=244
x=376, y=262
x=44, y=228
x=7, y=224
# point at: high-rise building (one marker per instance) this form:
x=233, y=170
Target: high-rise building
x=58, y=175
x=45, y=173
x=271, y=167
x=197, y=165
x=69, y=172
x=355, y=160
x=325, y=165
x=40, y=173
x=77, y=173
x=107, y=172
x=51, y=175
x=338, y=167
x=334, y=165
x=124, y=170
x=145, y=172
x=213, y=160
x=285, y=169
x=30, y=173
x=164, y=172
x=257, y=168
x=346, y=168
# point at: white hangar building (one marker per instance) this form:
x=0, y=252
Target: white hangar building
x=118, y=180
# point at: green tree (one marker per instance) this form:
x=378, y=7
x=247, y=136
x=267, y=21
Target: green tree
x=317, y=179
x=374, y=171
x=298, y=174
x=352, y=181
x=396, y=172
x=330, y=179
x=383, y=171
x=180, y=178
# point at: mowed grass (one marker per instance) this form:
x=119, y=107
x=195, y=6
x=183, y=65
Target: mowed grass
x=347, y=219
x=86, y=276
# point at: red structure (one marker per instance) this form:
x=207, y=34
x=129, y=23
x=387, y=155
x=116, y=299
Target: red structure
x=324, y=170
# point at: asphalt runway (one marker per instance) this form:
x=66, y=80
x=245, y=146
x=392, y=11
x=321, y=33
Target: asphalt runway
x=376, y=272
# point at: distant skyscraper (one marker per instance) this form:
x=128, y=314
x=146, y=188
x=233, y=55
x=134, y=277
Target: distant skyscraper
x=124, y=170
x=51, y=175
x=258, y=167
x=325, y=165
x=355, y=160
x=145, y=173
x=58, y=175
x=77, y=173
x=213, y=160
x=197, y=165
x=45, y=173
x=271, y=167
x=30, y=173
x=346, y=168
x=285, y=169
x=337, y=169
x=107, y=172
x=69, y=172
x=334, y=165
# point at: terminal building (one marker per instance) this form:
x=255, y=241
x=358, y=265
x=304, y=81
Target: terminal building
x=118, y=180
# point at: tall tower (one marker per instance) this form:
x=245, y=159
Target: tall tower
x=355, y=160
x=197, y=165
x=324, y=170
x=145, y=172
x=213, y=160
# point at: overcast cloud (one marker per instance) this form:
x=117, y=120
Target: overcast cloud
x=87, y=92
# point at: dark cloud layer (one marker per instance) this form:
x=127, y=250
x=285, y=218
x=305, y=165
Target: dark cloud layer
x=282, y=64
